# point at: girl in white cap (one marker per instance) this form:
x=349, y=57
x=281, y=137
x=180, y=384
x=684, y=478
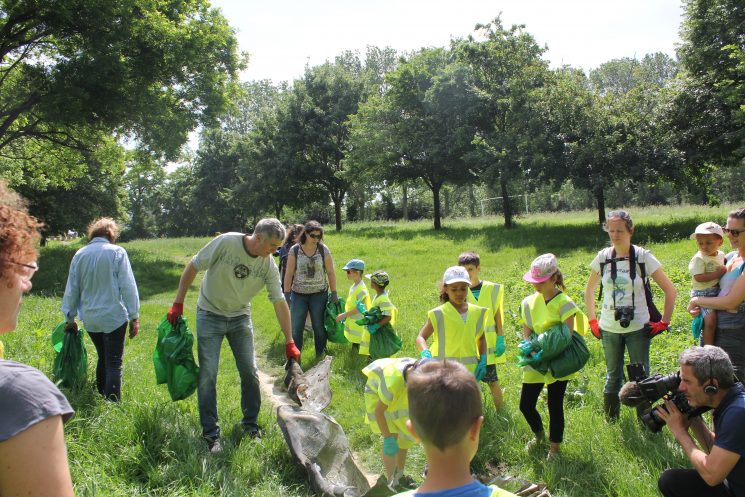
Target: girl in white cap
x=545, y=308
x=457, y=327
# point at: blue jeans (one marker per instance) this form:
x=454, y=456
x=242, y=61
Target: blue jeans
x=315, y=304
x=636, y=342
x=211, y=329
x=110, y=350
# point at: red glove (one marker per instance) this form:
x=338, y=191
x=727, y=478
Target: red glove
x=134, y=328
x=291, y=351
x=595, y=329
x=657, y=327
x=177, y=309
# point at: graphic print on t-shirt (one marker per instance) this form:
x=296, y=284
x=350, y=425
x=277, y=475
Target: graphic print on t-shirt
x=241, y=271
x=620, y=285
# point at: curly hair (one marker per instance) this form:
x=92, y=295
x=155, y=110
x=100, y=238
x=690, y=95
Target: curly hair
x=19, y=232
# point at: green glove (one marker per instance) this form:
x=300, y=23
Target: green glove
x=501, y=346
x=480, y=368
x=372, y=328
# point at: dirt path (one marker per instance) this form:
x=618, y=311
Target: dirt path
x=278, y=397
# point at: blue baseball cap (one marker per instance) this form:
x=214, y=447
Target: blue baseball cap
x=357, y=264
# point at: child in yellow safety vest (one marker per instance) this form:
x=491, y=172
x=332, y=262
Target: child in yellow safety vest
x=387, y=410
x=490, y=295
x=547, y=307
x=379, y=281
x=457, y=327
x=445, y=414
x=355, y=333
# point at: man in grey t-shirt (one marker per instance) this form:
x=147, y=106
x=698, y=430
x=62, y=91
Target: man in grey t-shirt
x=237, y=267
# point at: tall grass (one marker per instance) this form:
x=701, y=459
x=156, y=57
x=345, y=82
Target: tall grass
x=149, y=445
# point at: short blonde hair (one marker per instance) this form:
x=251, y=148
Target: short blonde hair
x=105, y=227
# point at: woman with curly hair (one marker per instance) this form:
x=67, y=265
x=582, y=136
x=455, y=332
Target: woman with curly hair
x=32, y=409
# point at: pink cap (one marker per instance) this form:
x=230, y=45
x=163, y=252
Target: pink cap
x=542, y=268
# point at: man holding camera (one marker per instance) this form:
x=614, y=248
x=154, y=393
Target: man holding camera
x=707, y=379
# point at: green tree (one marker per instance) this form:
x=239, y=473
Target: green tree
x=420, y=127
x=152, y=70
x=508, y=70
x=709, y=115
x=144, y=181
x=316, y=125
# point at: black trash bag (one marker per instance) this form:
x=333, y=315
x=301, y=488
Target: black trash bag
x=71, y=363
x=334, y=330
x=318, y=444
x=310, y=389
x=174, y=351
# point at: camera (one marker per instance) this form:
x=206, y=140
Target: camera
x=643, y=388
x=624, y=315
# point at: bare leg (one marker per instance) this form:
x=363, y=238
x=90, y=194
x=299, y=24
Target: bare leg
x=496, y=394
x=710, y=328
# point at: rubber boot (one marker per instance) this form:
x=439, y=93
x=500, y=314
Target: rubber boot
x=611, y=406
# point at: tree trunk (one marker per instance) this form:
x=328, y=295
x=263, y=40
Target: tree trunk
x=436, y=200
x=506, y=201
x=446, y=210
x=337, y=213
x=405, y=201
x=600, y=198
x=471, y=201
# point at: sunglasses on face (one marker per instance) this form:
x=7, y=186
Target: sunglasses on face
x=27, y=271
x=317, y=237
x=733, y=232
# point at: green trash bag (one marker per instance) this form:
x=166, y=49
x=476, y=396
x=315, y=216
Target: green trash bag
x=572, y=359
x=334, y=330
x=71, y=359
x=384, y=342
x=173, y=359
x=548, y=345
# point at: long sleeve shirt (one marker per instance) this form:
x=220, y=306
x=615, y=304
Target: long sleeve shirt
x=101, y=288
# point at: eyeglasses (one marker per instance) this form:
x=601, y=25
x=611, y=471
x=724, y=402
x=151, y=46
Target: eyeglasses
x=621, y=214
x=28, y=269
x=348, y=270
x=317, y=237
x=733, y=232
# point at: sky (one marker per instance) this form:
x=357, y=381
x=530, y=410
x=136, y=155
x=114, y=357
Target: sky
x=282, y=36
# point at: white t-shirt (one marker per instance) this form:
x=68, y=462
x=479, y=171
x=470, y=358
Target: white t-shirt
x=233, y=277
x=701, y=264
x=622, y=289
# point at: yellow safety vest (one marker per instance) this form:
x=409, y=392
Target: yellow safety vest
x=539, y=316
x=495, y=492
x=491, y=297
x=454, y=339
x=356, y=333
x=384, y=302
x=385, y=383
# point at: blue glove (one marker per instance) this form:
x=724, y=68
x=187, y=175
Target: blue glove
x=697, y=325
x=480, y=368
x=390, y=446
x=526, y=347
x=501, y=346
x=360, y=306
x=425, y=354
x=372, y=328
x=537, y=356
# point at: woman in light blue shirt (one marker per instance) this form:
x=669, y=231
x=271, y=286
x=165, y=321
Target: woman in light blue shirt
x=102, y=292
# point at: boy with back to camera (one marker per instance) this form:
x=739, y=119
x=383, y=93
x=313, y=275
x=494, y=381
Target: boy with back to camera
x=490, y=295
x=706, y=267
x=445, y=415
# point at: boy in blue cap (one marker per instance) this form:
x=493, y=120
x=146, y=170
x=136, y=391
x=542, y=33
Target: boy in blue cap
x=356, y=333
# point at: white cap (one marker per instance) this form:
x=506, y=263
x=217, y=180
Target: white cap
x=708, y=228
x=455, y=274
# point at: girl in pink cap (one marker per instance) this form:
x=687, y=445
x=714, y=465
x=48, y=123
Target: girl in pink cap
x=547, y=307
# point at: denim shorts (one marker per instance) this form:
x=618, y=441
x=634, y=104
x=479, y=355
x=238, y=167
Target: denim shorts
x=706, y=292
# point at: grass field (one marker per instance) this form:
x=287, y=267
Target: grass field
x=149, y=445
